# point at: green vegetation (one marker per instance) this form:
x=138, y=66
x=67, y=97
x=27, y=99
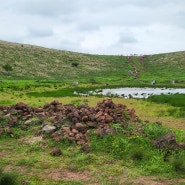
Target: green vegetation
x=37, y=63
x=7, y=178
x=36, y=75
x=165, y=67
x=7, y=67
x=129, y=154
x=176, y=100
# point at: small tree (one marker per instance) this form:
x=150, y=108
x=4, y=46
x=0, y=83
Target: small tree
x=75, y=64
x=7, y=67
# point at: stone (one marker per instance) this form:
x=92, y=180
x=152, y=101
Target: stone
x=166, y=142
x=110, y=131
x=74, y=131
x=56, y=152
x=48, y=129
x=28, y=122
x=108, y=118
x=100, y=132
x=20, y=106
x=85, y=118
x=55, y=102
x=181, y=145
x=85, y=148
x=91, y=124
x=80, y=126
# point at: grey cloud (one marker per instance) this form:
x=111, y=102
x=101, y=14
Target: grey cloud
x=70, y=45
x=44, y=7
x=127, y=39
x=94, y=25
x=35, y=32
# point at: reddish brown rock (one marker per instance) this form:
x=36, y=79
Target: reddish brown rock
x=91, y=124
x=20, y=106
x=80, y=126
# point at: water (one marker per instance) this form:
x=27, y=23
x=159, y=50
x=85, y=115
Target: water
x=134, y=92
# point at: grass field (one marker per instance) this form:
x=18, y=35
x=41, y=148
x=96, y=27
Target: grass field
x=37, y=76
x=124, y=158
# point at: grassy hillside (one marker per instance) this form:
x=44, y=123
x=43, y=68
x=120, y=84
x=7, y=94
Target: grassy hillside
x=165, y=67
x=30, y=62
x=20, y=61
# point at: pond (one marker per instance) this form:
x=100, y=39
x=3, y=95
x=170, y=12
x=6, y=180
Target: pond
x=128, y=92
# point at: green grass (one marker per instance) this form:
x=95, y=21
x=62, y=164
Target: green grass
x=19, y=61
x=7, y=178
x=165, y=67
x=176, y=100
x=129, y=150
x=108, y=157
x=37, y=75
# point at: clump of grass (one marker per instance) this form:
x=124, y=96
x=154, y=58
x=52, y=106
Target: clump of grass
x=179, y=164
x=138, y=154
x=7, y=178
x=154, y=130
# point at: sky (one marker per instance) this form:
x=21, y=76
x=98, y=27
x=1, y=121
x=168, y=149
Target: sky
x=111, y=27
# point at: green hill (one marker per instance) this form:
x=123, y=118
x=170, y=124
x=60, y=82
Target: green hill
x=20, y=61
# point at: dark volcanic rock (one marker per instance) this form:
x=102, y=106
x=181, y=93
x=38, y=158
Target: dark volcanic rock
x=168, y=142
x=56, y=152
x=85, y=148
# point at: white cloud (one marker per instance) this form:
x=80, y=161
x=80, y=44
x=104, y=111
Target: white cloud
x=96, y=26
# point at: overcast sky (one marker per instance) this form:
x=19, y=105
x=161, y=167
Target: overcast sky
x=96, y=26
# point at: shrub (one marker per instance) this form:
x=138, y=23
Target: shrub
x=154, y=130
x=137, y=154
x=75, y=64
x=7, y=67
x=7, y=178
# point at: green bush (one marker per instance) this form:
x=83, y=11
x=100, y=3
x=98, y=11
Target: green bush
x=75, y=64
x=138, y=154
x=7, y=178
x=154, y=131
x=7, y=67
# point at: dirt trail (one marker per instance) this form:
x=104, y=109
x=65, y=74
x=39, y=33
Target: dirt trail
x=137, y=71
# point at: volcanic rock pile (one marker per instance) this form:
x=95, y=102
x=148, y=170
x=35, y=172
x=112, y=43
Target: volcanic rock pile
x=75, y=123
x=68, y=121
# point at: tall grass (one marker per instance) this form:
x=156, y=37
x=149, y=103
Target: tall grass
x=176, y=100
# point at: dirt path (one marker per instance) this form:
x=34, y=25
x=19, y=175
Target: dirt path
x=137, y=71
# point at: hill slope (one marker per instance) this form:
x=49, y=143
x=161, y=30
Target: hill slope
x=20, y=61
